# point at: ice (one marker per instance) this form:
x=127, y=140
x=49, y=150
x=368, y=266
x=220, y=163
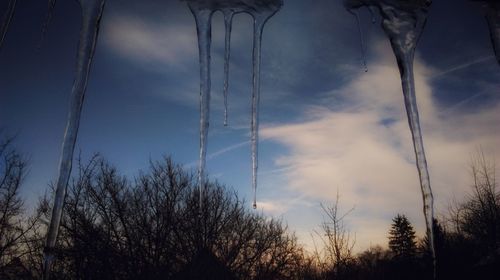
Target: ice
x=261, y=11
x=228, y=22
x=48, y=17
x=203, y=27
x=492, y=11
x=6, y=18
x=91, y=15
x=360, y=32
x=259, y=22
x=403, y=22
x=361, y=39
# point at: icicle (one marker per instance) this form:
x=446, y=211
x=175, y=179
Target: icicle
x=6, y=18
x=372, y=14
x=202, y=11
x=257, y=42
x=404, y=38
x=403, y=23
x=203, y=19
x=361, y=39
x=46, y=23
x=260, y=20
x=91, y=15
x=492, y=10
x=228, y=21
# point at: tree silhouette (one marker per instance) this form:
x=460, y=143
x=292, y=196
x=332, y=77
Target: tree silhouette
x=338, y=243
x=150, y=228
x=15, y=228
x=481, y=214
x=402, y=240
x=475, y=240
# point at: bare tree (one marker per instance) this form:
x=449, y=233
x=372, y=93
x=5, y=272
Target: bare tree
x=15, y=227
x=480, y=214
x=115, y=228
x=11, y=205
x=338, y=243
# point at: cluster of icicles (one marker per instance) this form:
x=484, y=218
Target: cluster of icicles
x=202, y=11
x=403, y=23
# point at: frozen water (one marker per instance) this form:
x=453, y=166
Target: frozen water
x=48, y=17
x=91, y=16
x=360, y=32
x=252, y=7
x=228, y=22
x=6, y=18
x=261, y=11
x=492, y=11
x=257, y=42
x=203, y=27
x=403, y=22
x=361, y=39
x=493, y=17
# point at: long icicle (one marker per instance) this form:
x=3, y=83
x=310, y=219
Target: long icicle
x=204, y=30
x=48, y=18
x=361, y=38
x=493, y=18
x=91, y=15
x=404, y=29
x=410, y=100
x=228, y=22
x=6, y=19
x=202, y=10
x=403, y=23
x=259, y=22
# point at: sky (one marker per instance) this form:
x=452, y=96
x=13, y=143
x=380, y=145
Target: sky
x=327, y=127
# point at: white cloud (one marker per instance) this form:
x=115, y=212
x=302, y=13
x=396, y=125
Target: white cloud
x=147, y=42
x=173, y=42
x=365, y=150
x=170, y=47
x=272, y=207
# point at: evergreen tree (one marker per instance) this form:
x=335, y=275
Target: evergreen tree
x=402, y=238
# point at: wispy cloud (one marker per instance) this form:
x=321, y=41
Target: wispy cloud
x=219, y=153
x=463, y=66
x=150, y=42
x=366, y=150
x=228, y=149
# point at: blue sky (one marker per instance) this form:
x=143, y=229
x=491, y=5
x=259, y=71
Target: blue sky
x=326, y=125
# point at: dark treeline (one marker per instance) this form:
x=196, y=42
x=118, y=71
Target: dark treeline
x=151, y=227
